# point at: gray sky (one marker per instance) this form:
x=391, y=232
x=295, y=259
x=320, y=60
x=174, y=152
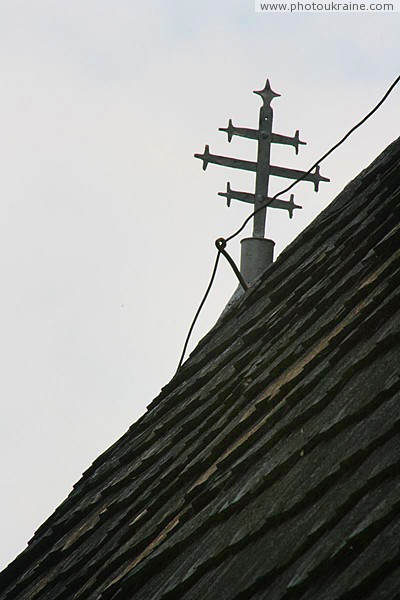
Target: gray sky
x=108, y=222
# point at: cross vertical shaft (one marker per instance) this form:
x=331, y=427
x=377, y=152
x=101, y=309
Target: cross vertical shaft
x=263, y=163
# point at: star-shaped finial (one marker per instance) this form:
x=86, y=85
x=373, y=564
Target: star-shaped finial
x=267, y=94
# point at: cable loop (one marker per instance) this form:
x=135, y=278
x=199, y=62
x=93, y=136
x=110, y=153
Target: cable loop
x=220, y=244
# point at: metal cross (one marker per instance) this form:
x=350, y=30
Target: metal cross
x=262, y=167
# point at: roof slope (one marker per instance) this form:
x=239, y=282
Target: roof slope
x=269, y=466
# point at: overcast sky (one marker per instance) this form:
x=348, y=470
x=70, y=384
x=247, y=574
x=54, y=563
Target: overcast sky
x=108, y=222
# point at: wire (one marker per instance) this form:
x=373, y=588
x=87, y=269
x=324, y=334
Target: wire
x=221, y=245
x=222, y=242
x=196, y=316
x=339, y=143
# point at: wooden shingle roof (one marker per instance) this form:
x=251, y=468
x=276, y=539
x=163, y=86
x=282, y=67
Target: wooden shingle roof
x=269, y=466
